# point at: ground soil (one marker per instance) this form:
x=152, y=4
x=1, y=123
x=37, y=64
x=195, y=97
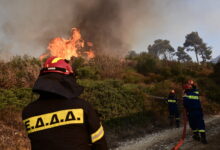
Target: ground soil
x=166, y=139
x=12, y=138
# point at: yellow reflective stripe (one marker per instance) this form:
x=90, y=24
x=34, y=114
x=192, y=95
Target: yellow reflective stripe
x=196, y=92
x=193, y=97
x=201, y=131
x=54, y=119
x=171, y=101
x=97, y=135
x=55, y=60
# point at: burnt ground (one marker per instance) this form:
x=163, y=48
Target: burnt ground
x=166, y=139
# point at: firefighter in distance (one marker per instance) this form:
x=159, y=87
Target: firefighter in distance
x=173, y=109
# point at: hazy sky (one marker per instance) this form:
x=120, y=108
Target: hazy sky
x=179, y=17
x=26, y=26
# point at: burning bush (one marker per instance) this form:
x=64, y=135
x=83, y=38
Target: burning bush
x=75, y=46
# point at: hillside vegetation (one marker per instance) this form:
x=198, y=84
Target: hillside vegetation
x=119, y=89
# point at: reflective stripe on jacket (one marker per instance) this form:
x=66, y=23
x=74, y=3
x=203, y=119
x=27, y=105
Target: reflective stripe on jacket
x=62, y=124
x=191, y=100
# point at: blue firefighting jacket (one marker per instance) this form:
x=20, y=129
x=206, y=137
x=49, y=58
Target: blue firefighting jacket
x=172, y=104
x=191, y=100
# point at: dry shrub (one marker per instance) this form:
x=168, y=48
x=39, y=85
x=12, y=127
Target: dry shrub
x=158, y=109
x=12, y=133
x=133, y=77
x=205, y=72
x=11, y=116
x=209, y=107
x=109, y=67
x=12, y=139
x=19, y=72
x=153, y=77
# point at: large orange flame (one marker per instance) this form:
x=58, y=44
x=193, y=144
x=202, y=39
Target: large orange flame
x=67, y=49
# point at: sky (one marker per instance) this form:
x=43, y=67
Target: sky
x=27, y=26
x=180, y=18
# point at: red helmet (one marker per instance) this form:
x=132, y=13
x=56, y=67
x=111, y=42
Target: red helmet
x=58, y=65
x=187, y=86
x=191, y=82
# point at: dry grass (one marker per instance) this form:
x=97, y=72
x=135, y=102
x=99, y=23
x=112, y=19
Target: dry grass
x=20, y=71
x=12, y=139
x=109, y=67
x=12, y=133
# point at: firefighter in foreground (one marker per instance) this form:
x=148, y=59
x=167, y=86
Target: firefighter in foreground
x=59, y=120
x=194, y=110
x=173, y=109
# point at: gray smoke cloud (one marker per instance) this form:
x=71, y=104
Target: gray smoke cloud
x=114, y=26
x=102, y=24
x=28, y=25
x=110, y=24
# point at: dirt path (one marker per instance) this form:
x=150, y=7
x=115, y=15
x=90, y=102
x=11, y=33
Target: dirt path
x=12, y=139
x=166, y=139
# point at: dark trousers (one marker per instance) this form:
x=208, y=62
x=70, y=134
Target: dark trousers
x=174, y=114
x=196, y=121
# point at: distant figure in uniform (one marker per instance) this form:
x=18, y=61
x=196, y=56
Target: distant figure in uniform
x=173, y=109
x=194, y=110
x=59, y=120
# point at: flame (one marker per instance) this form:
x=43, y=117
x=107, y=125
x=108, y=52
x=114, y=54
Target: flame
x=67, y=49
x=90, y=54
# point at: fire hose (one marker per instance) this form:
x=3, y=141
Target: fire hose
x=156, y=97
x=181, y=141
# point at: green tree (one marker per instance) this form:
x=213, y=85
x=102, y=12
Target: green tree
x=205, y=52
x=131, y=55
x=146, y=63
x=182, y=56
x=161, y=48
x=195, y=43
x=192, y=43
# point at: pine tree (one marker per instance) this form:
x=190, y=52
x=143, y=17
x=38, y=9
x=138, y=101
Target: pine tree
x=182, y=56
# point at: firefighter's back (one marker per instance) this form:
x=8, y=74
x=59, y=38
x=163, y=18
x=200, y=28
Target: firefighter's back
x=59, y=120
x=57, y=124
x=191, y=100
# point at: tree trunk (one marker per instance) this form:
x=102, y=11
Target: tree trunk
x=203, y=57
x=197, y=55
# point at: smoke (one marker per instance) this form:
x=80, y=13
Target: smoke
x=110, y=24
x=114, y=26
x=102, y=25
x=28, y=26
